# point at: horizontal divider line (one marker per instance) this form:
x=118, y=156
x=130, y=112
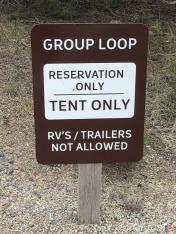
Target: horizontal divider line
x=70, y=94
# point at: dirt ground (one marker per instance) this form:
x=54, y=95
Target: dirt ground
x=136, y=198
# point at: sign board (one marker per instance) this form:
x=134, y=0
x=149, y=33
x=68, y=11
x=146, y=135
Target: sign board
x=89, y=92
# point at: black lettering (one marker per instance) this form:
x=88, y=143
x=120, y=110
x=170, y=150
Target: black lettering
x=107, y=104
x=96, y=105
x=125, y=103
x=59, y=74
x=73, y=74
x=79, y=86
x=52, y=74
x=66, y=74
x=120, y=74
x=72, y=105
x=80, y=74
x=53, y=105
x=62, y=105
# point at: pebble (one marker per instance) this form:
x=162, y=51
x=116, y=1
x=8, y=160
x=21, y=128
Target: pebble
x=38, y=195
x=1, y=153
x=4, y=161
x=6, y=205
x=11, y=161
x=12, y=214
x=8, y=171
x=28, y=206
x=53, y=222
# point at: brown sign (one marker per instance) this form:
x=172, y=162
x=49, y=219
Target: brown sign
x=89, y=92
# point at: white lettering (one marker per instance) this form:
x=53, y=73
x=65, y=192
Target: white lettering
x=47, y=44
x=132, y=42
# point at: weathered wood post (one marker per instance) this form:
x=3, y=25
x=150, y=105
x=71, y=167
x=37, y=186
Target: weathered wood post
x=89, y=182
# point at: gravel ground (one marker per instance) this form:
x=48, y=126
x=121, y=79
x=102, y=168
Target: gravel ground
x=136, y=198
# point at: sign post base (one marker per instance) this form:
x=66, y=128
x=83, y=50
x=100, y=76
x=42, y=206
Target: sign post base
x=89, y=179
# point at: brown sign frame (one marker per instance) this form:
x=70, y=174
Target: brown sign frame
x=40, y=57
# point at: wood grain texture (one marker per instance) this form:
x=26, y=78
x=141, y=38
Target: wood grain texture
x=89, y=176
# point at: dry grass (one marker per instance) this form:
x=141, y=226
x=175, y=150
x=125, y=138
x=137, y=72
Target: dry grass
x=161, y=95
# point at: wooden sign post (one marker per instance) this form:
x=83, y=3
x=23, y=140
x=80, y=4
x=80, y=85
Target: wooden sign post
x=89, y=182
x=89, y=100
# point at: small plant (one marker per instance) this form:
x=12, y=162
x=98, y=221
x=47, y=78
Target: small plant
x=173, y=69
x=173, y=73
x=27, y=104
x=146, y=138
x=12, y=91
x=117, y=216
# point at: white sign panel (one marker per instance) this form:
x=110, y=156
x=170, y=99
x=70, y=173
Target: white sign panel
x=89, y=90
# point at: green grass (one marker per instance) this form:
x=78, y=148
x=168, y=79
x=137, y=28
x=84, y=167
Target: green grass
x=146, y=138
